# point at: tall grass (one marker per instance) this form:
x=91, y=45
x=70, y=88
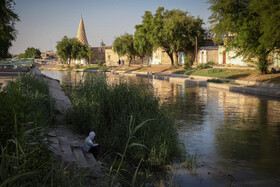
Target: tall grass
x=25, y=114
x=107, y=108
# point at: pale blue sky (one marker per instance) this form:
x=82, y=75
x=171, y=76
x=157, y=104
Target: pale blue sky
x=44, y=22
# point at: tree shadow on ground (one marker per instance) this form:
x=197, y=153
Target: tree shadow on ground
x=273, y=80
x=238, y=76
x=131, y=70
x=179, y=72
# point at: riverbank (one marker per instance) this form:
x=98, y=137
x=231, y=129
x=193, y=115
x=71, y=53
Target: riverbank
x=244, y=80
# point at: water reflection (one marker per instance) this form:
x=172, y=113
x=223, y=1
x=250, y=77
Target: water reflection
x=237, y=135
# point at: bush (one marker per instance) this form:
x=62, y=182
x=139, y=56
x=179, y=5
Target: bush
x=100, y=63
x=107, y=109
x=203, y=66
x=211, y=63
x=188, y=61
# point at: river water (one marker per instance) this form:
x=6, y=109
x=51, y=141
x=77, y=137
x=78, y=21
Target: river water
x=235, y=137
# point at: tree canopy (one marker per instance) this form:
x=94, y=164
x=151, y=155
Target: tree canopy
x=123, y=45
x=173, y=30
x=71, y=48
x=142, y=42
x=32, y=52
x=251, y=27
x=7, y=26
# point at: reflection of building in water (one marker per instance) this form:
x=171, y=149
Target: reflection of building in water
x=237, y=107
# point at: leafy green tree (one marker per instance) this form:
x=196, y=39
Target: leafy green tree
x=64, y=49
x=89, y=54
x=102, y=44
x=123, y=45
x=21, y=55
x=32, y=52
x=142, y=45
x=71, y=48
x=7, y=26
x=173, y=30
x=250, y=27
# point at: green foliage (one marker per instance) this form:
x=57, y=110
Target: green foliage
x=249, y=27
x=25, y=108
x=188, y=61
x=102, y=44
x=8, y=18
x=142, y=43
x=71, y=48
x=107, y=109
x=25, y=114
x=100, y=63
x=31, y=52
x=214, y=70
x=21, y=55
x=215, y=80
x=173, y=30
x=124, y=45
x=203, y=66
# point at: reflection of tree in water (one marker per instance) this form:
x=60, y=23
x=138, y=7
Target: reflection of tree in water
x=250, y=136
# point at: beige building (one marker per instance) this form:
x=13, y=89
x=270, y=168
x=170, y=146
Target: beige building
x=49, y=55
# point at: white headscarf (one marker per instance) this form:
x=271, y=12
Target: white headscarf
x=92, y=135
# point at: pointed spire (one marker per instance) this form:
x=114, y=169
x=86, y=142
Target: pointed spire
x=81, y=36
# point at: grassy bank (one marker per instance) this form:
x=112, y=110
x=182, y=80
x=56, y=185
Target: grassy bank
x=114, y=112
x=25, y=115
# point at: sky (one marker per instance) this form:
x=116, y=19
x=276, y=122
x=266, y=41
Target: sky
x=44, y=22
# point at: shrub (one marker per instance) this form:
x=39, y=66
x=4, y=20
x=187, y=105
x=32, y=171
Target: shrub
x=107, y=109
x=100, y=63
x=203, y=66
x=188, y=61
x=211, y=63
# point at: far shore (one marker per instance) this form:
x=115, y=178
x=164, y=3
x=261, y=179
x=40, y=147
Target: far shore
x=238, y=79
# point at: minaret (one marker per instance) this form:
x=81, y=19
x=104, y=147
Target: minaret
x=81, y=36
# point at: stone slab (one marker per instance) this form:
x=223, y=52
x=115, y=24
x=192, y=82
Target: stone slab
x=81, y=160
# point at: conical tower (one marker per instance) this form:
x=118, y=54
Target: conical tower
x=81, y=36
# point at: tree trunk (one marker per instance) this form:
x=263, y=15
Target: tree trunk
x=263, y=63
x=177, y=58
x=171, y=58
x=130, y=59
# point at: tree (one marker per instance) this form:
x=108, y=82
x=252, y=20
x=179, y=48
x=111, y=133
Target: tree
x=71, y=48
x=64, y=49
x=123, y=45
x=142, y=44
x=102, y=44
x=89, y=54
x=173, y=30
x=250, y=27
x=32, y=52
x=7, y=26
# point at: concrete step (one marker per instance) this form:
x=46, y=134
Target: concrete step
x=66, y=150
x=90, y=159
x=81, y=160
x=54, y=147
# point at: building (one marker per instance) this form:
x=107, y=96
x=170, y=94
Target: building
x=49, y=55
x=81, y=35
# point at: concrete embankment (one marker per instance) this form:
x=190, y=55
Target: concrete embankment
x=250, y=87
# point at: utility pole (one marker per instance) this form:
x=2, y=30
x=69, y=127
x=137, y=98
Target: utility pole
x=196, y=61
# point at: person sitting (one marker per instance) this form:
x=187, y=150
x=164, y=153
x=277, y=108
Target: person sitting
x=90, y=146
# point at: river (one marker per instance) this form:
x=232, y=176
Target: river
x=236, y=137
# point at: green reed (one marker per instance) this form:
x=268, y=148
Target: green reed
x=25, y=115
x=107, y=108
